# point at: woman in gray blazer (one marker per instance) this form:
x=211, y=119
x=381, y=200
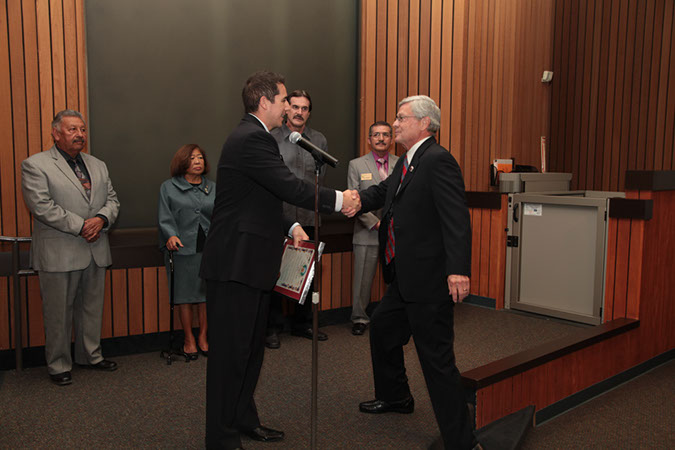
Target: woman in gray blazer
x=185, y=207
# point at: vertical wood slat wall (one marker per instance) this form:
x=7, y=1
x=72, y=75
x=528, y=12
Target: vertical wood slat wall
x=624, y=266
x=613, y=106
x=42, y=71
x=480, y=60
x=488, y=252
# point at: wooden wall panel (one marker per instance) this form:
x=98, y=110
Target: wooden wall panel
x=488, y=252
x=135, y=301
x=150, y=307
x=613, y=90
x=483, y=73
x=42, y=70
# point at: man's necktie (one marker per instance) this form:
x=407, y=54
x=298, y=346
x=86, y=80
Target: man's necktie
x=86, y=184
x=389, y=251
x=381, y=169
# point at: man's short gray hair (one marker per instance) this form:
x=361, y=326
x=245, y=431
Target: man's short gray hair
x=423, y=106
x=65, y=113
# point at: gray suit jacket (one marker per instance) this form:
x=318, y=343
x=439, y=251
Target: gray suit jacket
x=59, y=205
x=361, y=175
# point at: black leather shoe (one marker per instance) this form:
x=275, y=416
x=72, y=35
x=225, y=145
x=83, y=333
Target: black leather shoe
x=61, y=379
x=406, y=406
x=105, y=365
x=359, y=328
x=264, y=434
x=272, y=341
x=307, y=333
x=204, y=353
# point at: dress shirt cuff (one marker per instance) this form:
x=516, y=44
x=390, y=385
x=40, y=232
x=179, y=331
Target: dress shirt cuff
x=290, y=230
x=338, y=201
x=105, y=220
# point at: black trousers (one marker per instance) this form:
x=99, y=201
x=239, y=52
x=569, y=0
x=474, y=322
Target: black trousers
x=238, y=317
x=394, y=321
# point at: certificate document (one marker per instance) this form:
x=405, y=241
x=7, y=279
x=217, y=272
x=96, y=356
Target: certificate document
x=297, y=269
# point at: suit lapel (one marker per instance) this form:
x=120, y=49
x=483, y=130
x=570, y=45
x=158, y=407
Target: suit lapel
x=64, y=167
x=393, y=185
x=412, y=167
x=371, y=165
x=94, y=179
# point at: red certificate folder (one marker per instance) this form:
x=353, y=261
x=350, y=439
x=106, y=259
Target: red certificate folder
x=297, y=269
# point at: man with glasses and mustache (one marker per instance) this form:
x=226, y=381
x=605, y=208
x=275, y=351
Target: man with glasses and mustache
x=364, y=172
x=73, y=203
x=302, y=165
x=425, y=246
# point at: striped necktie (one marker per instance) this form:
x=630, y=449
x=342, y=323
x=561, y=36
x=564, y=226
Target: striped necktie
x=381, y=168
x=389, y=252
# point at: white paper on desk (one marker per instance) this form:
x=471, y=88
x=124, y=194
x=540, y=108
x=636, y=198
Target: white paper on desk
x=293, y=274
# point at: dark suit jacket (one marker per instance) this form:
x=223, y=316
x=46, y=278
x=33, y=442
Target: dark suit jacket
x=432, y=226
x=245, y=241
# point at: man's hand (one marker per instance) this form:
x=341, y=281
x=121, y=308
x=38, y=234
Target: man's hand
x=377, y=226
x=91, y=229
x=298, y=234
x=458, y=285
x=351, y=203
x=173, y=243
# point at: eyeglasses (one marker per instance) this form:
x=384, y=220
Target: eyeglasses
x=378, y=134
x=401, y=118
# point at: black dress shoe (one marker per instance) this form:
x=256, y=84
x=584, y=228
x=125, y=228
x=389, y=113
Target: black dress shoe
x=272, y=341
x=307, y=333
x=359, y=328
x=105, y=365
x=204, y=353
x=61, y=379
x=264, y=434
x=406, y=406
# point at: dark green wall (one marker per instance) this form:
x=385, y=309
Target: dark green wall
x=163, y=73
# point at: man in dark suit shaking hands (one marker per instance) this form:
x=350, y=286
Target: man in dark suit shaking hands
x=425, y=246
x=242, y=255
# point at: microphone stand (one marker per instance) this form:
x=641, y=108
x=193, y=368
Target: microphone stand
x=316, y=295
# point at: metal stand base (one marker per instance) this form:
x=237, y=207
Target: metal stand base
x=173, y=355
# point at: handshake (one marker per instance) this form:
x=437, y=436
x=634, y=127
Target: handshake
x=351, y=202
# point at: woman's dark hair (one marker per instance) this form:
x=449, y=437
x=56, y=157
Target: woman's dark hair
x=181, y=160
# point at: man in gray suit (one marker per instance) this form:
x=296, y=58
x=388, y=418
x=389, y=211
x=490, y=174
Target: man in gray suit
x=73, y=203
x=364, y=172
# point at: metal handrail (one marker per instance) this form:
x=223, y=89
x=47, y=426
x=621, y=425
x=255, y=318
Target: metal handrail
x=16, y=273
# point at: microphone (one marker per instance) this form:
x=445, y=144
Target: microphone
x=317, y=153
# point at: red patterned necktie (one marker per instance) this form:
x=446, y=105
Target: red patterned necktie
x=389, y=252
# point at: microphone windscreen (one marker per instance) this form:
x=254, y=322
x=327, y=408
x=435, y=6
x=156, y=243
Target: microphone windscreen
x=295, y=137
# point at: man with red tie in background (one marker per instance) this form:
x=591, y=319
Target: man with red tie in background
x=364, y=172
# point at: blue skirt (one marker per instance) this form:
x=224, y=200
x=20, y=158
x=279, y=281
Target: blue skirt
x=189, y=287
